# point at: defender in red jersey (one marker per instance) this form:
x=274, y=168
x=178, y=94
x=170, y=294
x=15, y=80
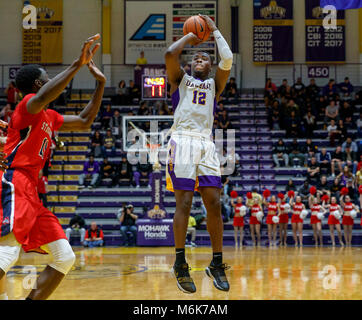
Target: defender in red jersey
x=334, y=207
x=347, y=220
x=24, y=222
x=272, y=207
x=316, y=223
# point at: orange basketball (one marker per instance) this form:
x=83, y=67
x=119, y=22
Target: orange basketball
x=198, y=26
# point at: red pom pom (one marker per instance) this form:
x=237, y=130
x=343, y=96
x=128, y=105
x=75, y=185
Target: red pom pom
x=325, y=198
x=233, y=194
x=344, y=191
x=360, y=189
x=280, y=196
x=266, y=193
x=312, y=190
x=291, y=193
x=249, y=195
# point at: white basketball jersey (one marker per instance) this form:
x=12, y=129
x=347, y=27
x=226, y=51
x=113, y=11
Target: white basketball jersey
x=194, y=105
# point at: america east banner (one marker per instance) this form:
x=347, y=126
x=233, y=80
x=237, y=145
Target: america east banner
x=273, y=31
x=44, y=45
x=322, y=44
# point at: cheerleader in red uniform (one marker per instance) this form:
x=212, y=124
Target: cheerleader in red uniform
x=238, y=223
x=254, y=222
x=272, y=207
x=297, y=221
x=347, y=220
x=333, y=222
x=316, y=223
x=283, y=209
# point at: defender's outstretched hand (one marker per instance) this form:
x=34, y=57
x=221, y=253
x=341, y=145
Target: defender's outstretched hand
x=87, y=51
x=96, y=73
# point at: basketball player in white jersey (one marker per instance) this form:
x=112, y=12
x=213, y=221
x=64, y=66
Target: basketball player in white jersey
x=192, y=162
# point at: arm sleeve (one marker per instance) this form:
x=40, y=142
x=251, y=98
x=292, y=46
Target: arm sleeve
x=225, y=53
x=21, y=118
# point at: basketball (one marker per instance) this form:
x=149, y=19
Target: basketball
x=198, y=26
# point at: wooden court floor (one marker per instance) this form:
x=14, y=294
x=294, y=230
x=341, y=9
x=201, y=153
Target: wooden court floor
x=256, y=273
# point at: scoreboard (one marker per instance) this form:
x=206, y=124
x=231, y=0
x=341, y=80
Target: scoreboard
x=154, y=88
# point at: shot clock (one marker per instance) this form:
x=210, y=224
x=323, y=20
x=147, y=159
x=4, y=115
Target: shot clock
x=154, y=88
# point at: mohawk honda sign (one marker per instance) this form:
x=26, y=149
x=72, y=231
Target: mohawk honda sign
x=152, y=232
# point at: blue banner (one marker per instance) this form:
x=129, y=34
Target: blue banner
x=342, y=4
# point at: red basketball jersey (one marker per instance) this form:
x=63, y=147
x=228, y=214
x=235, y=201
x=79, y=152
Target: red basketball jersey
x=29, y=139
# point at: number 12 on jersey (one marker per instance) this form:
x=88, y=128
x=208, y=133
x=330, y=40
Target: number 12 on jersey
x=199, y=97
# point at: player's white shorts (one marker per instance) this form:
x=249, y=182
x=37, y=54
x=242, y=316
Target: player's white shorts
x=192, y=162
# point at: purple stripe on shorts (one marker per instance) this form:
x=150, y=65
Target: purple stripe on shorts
x=175, y=99
x=210, y=181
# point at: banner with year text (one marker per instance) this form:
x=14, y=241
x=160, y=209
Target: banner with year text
x=273, y=31
x=323, y=45
x=44, y=45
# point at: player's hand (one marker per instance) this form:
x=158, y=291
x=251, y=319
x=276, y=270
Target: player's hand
x=193, y=39
x=211, y=24
x=87, y=52
x=96, y=73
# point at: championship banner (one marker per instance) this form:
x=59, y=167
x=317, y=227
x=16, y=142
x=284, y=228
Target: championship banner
x=342, y=4
x=152, y=26
x=44, y=45
x=323, y=45
x=273, y=31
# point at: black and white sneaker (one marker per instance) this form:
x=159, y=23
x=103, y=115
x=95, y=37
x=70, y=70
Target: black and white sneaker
x=184, y=281
x=217, y=273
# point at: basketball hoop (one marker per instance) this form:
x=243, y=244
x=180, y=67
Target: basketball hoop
x=153, y=152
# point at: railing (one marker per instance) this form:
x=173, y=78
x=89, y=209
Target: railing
x=321, y=73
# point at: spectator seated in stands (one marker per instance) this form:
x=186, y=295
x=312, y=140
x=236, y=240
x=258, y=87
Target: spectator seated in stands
x=106, y=116
x=321, y=105
x=342, y=131
x=232, y=97
x=352, y=192
x=296, y=154
x=76, y=227
x=311, y=149
x=345, y=176
x=191, y=228
x=12, y=94
x=109, y=144
x=107, y=171
x=350, y=143
x=303, y=191
x=270, y=88
x=335, y=188
x=283, y=88
x=144, y=110
x=123, y=172
x=225, y=206
x=324, y=160
x=313, y=171
x=330, y=90
x=94, y=236
x=90, y=171
x=345, y=111
x=337, y=159
x=323, y=187
x=333, y=132
x=331, y=112
x=349, y=159
x=116, y=124
x=312, y=90
x=298, y=87
x=143, y=171
x=346, y=88
x=223, y=121
x=96, y=143
x=122, y=96
x=128, y=224
x=274, y=117
x=225, y=181
x=309, y=123
x=290, y=186
x=134, y=93
x=359, y=124
x=280, y=153
x=230, y=86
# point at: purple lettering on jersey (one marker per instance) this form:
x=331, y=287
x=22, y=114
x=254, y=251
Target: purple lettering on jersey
x=175, y=99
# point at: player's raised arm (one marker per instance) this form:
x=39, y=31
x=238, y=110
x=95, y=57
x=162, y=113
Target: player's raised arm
x=226, y=62
x=54, y=87
x=172, y=58
x=85, y=119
